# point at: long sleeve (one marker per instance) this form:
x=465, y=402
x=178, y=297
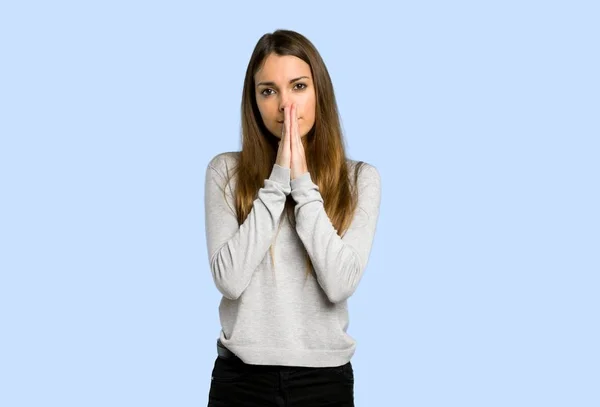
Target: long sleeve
x=235, y=250
x=339, y=262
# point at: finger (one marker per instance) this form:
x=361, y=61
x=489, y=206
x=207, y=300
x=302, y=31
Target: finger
x=293, y=149
x=289, y=117
x=289, y=141
x=295, y=122
x=288, y=125
x=295, y=128
x=285, y=123
x=292, y=132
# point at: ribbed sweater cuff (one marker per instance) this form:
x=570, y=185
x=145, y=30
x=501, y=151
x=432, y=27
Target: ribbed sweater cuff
x=281, y=175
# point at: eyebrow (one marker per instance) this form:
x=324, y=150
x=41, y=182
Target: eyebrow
x=273, y=83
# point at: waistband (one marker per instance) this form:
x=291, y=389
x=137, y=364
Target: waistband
x=223, y=352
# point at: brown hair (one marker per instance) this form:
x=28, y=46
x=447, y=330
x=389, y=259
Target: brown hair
x=324, y=145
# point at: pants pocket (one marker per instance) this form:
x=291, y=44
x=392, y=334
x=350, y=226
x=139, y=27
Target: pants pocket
x=228, y=370
x=346, y=372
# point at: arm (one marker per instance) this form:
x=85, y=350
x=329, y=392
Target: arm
x=339, y=262
x=236, y=250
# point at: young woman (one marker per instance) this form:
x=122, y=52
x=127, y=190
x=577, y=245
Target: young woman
x=290, y=222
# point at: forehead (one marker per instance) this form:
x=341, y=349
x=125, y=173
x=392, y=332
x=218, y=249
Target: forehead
x=281, y=68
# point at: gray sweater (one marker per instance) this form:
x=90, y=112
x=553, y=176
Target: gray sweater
x=274, y=315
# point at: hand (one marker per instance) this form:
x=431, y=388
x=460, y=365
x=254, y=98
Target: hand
x=298, y=162
x=284, y=152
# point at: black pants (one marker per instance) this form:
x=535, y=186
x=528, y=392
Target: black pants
x=235, y=383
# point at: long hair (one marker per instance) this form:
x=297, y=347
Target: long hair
x=324, y=144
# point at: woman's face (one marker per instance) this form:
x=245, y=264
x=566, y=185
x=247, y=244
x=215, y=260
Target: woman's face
x=283, y=80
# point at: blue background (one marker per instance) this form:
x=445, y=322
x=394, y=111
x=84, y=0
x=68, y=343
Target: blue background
x=482, y=118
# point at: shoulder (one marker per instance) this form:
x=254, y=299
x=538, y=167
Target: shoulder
x=363, y=171
x=366, y=181
x=224, y=163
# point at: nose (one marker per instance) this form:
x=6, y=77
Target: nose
x=284, y=101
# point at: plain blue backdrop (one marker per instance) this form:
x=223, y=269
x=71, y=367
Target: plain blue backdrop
x=482, y=288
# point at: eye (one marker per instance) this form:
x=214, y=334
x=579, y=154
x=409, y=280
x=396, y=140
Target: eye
x=303, y=86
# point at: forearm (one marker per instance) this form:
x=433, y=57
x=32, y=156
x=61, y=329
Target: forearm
x=339, y=262
x=236, y=251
